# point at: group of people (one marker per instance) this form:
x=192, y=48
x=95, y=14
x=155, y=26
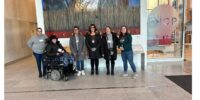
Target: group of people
x=98, y=45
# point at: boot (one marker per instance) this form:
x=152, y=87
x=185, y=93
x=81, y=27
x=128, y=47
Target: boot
x=97, y=70
x=112, y=69
x=108, y=70
x=92, y=71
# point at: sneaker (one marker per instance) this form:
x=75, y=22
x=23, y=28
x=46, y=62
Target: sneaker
x=45, y=77
x=79, y=73
x=125, y=74
x=135, y=75
x=66, y=78
x=83, y=72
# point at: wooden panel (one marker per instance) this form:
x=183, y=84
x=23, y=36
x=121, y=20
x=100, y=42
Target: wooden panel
x=20, y=22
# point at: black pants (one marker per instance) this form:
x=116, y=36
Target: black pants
x=112, y=61
x=96, y=63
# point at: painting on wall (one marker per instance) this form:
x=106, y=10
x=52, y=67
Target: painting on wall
x=61, y=15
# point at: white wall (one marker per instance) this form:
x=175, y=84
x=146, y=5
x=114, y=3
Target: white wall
x=39, y=14
x=143, y=26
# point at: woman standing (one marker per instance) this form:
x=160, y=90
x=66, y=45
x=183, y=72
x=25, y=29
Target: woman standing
x=37, y=44
x=109, y=48
x=93, y=43
x=77, y=46
x=127, y=51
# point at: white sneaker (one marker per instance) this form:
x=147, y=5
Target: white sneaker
x=79, y=73
x=135, y=75
x=83, y=72
x=125, y=74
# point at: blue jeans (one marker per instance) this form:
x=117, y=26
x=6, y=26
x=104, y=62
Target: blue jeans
x=64, y=59
x=128, y=56
x=80, y=65
x=38, y=58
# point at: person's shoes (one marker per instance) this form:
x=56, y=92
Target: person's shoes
x=97, y=72
x=112, y=70
x=125, y=74
x=135, y=75
x=108, y=73
x=45, y=77
x=65, y=78
x=83, y=72
x=112, y=73
x=92, y=72
x=79, y=73
x=40, y=76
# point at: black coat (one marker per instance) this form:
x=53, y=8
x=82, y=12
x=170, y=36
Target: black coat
x=96, y=44
x=106, y=51
x=52, y=49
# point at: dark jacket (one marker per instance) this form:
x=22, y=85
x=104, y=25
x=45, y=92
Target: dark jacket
x=52, y=49
x=105, y=50
x=96, y=44
x=127, y=43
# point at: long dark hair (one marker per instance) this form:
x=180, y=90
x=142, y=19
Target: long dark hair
x=91, y=26
x=121, y=34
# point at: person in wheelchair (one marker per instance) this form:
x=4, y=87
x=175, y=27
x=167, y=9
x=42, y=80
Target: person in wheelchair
x=56, y=51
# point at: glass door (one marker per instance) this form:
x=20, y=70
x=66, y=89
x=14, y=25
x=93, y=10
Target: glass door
x=165, y=29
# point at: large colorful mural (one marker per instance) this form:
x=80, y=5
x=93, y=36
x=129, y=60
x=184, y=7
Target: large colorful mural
x=61, y=15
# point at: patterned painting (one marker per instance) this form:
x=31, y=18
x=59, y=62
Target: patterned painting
x=61, y=15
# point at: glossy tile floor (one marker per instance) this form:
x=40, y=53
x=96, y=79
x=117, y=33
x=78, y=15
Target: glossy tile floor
x=22, y=83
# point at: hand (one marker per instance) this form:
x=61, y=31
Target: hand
x=111, y=53
x=93, y=49
x=59, y=50
x=122, y=48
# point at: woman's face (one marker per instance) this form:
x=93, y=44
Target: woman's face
x=92, y=28
x=76, y=31
x=123, y=29
x=54, y=41
x=108, y=30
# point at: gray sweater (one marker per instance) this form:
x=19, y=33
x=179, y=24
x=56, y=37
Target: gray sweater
x=37, y=43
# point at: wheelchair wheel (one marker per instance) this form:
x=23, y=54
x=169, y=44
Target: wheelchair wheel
x=55, y=75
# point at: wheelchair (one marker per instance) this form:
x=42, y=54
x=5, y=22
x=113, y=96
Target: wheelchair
x=55, y=68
